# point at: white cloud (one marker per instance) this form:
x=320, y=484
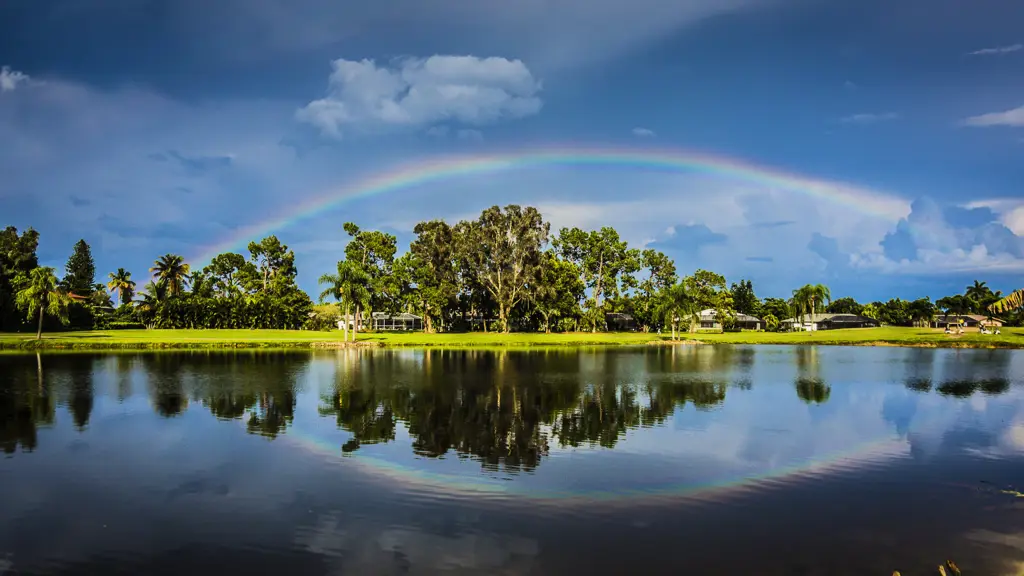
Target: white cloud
x=420, y=92
x=868, y=118
x=1014, y=117
x=643, y=132
x=9, y=79
x=999, y=50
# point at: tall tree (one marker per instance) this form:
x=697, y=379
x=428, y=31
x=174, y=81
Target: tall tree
x=810, y=299
x=80, y=270
x=602, y=257
x=676, y=304
x=505, y=253
x=708, y=290
x=17, y=260
x=350, y=287
x=374, y=252
x=275, y=263
x=172, y=271
x=43, y=295
x=661, y=274
x=743, y=298
x=558, y=288
x=430, y=268
x=844, y=305
x=122, y=284
x=228, y=273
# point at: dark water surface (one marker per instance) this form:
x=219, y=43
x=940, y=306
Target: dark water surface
x=694, y=460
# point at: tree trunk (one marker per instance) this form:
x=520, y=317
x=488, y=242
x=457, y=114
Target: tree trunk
x=428, y=325
x=355, y=324
x=344, y=324
x=547, y=323
x=39, y=330
x=503, y=318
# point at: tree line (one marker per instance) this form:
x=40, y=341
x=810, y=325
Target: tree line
x=503, y=271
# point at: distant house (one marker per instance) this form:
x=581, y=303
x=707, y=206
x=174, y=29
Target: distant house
x=811, y=322
x=389, y=322
x=965, y=320
x=619, y=322
x=743, y=321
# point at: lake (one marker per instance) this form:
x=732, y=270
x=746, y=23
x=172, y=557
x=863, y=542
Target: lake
x=648, y=460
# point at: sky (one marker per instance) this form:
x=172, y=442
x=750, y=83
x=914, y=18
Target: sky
x=876, y=147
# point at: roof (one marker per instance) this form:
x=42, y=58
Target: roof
x=975, y=317
x=710, y=314
x=402, y=316
x=823, y=317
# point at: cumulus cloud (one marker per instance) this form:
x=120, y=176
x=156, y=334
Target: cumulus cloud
x=1014, y=117
x=643, y=132
x=420, y=92
x=939, y=239
x=9, y=79
x=999, y=50
x=869, y=118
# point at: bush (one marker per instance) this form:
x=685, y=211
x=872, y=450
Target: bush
x=117, y=325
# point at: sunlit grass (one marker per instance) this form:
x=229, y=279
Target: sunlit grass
x=142, y=339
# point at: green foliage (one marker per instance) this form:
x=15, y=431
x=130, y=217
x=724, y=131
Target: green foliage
x=122, y=284
x=17, y=260
x=744, y=300
x=171, y=272
x=771, y=323
x=42, y=295
x=558, y=289
x=604, y=260
x=845, y=305
x=810, y=299
x=80, y=270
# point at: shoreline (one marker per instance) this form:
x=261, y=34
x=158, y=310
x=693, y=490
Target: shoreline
x=142, y=340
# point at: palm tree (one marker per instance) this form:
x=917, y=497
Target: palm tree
x=349, y=287
x=171, y=270
x=676, y=304
x=978, y=293
x=44, y=296
x=1010, y=302
x=809, y=299
x=121, y=282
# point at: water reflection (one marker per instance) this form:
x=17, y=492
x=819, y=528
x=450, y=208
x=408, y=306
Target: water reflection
x=565, y=461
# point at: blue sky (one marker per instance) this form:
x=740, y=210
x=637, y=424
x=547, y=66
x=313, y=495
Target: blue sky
x=166, y=126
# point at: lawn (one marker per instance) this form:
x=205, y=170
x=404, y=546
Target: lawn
x=156, y=339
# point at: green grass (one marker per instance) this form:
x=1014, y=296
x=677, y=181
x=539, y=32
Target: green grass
x=158, y=339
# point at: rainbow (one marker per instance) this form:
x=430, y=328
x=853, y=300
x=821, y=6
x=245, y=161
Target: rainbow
x=439, y=168
x=481, y=487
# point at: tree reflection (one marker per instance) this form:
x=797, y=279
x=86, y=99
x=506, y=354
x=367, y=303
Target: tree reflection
x=503, y=408
x=967, y=388
x=26, y=403
x=811, y=388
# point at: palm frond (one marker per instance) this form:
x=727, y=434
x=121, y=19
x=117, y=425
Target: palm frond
x=1012, y=301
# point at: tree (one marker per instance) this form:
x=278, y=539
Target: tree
x=122, y=284
x=601, y=256
x=430, y=269
x=43, y=295
x=80, y=271
x=978, y=293
x=661, y=275
x=275, y=264
x=776, y=307
x=1013, y=301
x=810, y=299
x=678, y=303
x=350, y=288
x=17, y=260
x=375, y=251
x=922, y=311
x=845, y=305
x=171, y=271
x=229, y=272
x=709, y=291
x=506, y=253
x=558, y=288
x=743, y=298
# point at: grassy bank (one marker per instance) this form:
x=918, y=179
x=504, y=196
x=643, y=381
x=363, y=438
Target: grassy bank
x=161, y=339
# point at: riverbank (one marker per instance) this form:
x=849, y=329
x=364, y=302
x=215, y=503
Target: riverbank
x=208, y=339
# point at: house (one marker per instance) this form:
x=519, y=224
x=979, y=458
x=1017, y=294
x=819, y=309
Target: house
x=742, y=321
x=965, y=320
x=619, y=322
x=811, y=322
x=389, y=322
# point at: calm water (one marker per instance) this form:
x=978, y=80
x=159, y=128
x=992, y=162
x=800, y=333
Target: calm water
x=696, y=460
